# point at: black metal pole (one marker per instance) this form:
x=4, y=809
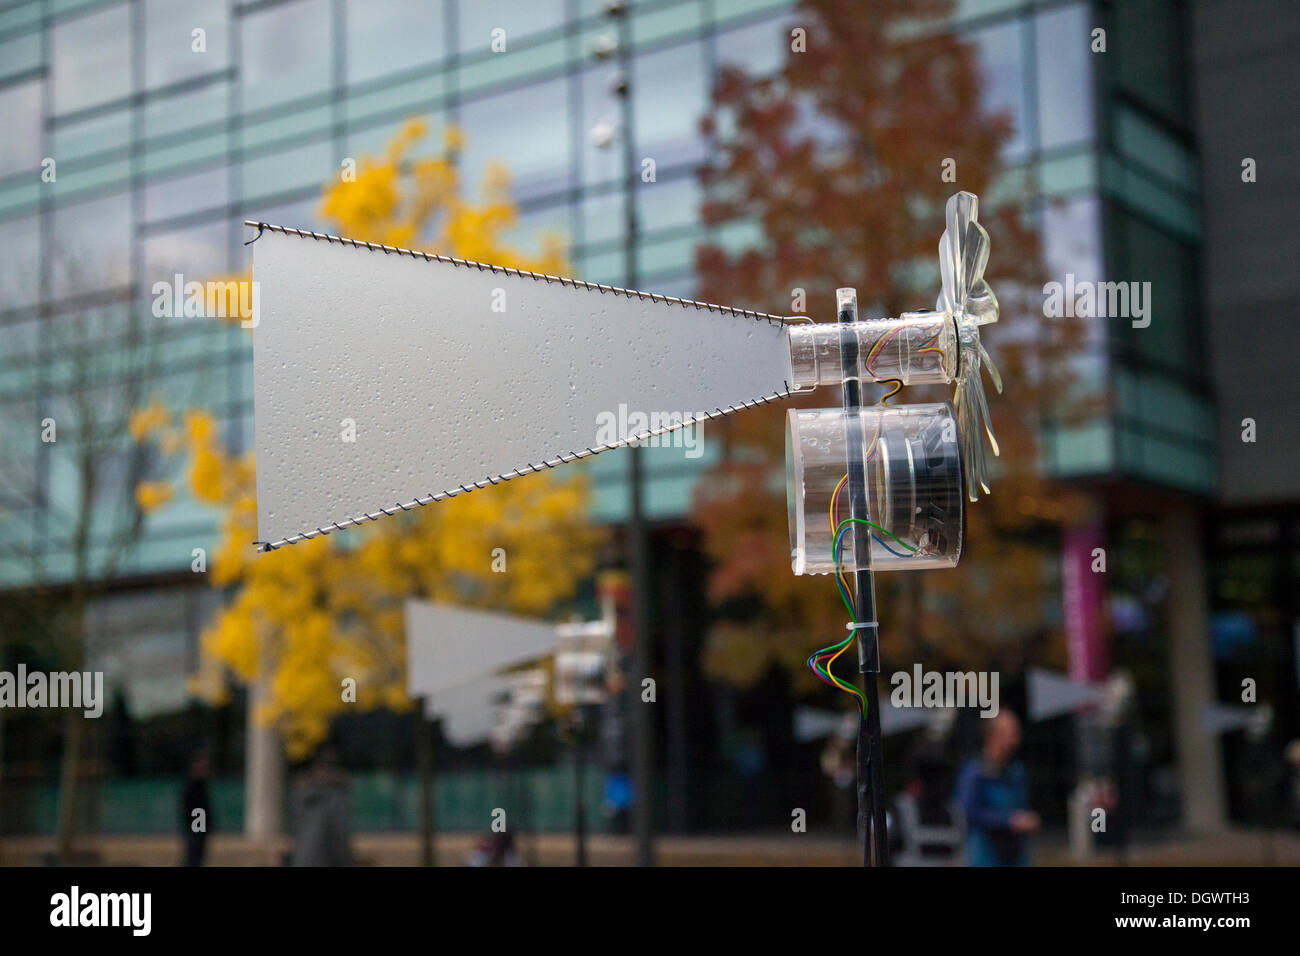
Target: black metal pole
x=579, y=802
x=638, y=540
x=677, y=730
x=424, y=765
x=870, y=757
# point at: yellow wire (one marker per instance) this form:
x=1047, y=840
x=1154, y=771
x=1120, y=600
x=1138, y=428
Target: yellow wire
x=876, y=346
x=929, y=346
x=835, y=497
x=843, y=686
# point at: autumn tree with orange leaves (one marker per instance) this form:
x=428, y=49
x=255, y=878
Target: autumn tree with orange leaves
x=840, y=160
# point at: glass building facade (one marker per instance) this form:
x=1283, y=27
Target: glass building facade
x=164, y=139
x=169, y=122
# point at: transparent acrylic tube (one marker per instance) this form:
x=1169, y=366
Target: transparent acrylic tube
x=914, y=487
x=917, y=348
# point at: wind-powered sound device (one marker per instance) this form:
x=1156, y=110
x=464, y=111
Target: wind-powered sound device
x=387, y=379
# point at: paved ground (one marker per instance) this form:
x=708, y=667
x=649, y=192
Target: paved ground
x=1230, y=848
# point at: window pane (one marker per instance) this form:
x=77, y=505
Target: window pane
x=186, y=111
x=518, y=18
x=526, y=234
x=169, y=39
x=1151, y=255
x=373, y=140
x=20, y=118
x=1149, y=48
x=668, y=205
x=19, y=266
x=91, y=59
x=1072, y=247
x=1072, y=239
x=96, y=135
x=602, y=217
x=301, y=167
x=385, y=36
x=758, y=49
x=670, y=94
x=1064, y=77
x=285, y=53
x=526, y=129
x=20, y=55
x=182, y=195
x=1002, y=75
x=92, y=243
x=198, y=253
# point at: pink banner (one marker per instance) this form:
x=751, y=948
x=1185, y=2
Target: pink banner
x=1083, y=594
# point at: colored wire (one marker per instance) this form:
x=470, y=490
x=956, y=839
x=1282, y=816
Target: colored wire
x=871, y=524
x=880, y=345
x=929, y=346
x=822, y=661
x=847, y=688
x=871, y=449
x=824, y=672
x=835, y=497
x=832, y=652
x=835, y=554
x=897, y=554
x=866, y=459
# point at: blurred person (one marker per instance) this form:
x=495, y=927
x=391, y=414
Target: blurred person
x=749, y=762
x=993, y=792
x=927, y=831
x=194, y=798
x=321, y=815
x=495, y=849
x=838, y=763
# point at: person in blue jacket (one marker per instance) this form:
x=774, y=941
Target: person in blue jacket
x=993, y=791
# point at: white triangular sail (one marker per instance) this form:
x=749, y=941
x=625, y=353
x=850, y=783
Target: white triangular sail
x=387, y=379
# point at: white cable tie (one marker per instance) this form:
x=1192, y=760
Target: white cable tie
x=855, y=625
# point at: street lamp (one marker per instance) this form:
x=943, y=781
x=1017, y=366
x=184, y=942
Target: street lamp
x=619, y=49
x=581, y=680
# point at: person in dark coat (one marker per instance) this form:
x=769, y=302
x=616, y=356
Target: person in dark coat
x=321, y=815
x=196, y=809
x=994, y=794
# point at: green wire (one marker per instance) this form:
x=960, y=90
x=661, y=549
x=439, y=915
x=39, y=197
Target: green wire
x=844, y=596
x=872, y=524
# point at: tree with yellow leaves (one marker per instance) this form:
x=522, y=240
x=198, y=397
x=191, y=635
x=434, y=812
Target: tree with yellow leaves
x=314, y=621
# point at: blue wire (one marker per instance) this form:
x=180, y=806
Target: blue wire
x=839, y=539
x=897, y=554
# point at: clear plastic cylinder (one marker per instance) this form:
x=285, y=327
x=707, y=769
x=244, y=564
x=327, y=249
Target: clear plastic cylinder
x=914, y=487
x=917, y=348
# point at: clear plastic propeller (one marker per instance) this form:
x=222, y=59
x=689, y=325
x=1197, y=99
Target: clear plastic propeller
x=968, y=300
